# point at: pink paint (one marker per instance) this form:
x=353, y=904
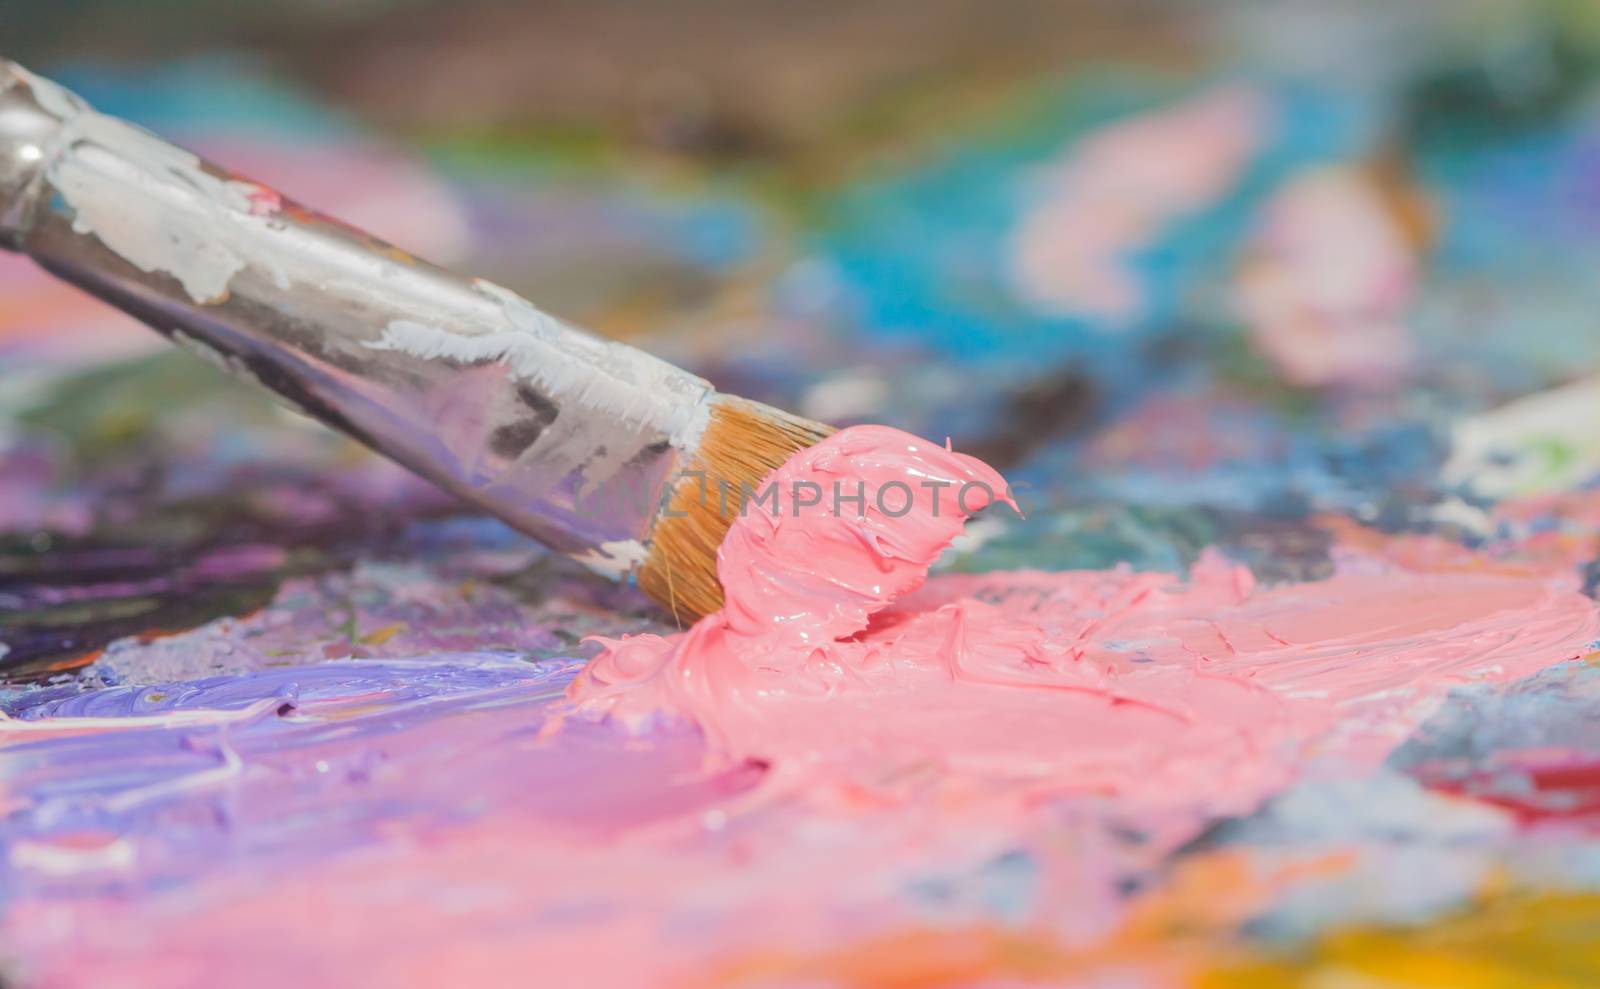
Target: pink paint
x=800, y=583
x=264, y=201
x=913, y=729
x=1112, y=193
x=835, y=664
x=1329, y=281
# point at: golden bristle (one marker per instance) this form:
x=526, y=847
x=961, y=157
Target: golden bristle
x=743, y=443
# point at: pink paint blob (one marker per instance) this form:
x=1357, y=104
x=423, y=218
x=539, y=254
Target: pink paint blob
x=802, y=585
x=838, y=666
x=912, y=727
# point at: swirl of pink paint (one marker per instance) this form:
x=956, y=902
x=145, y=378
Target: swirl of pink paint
x=835, y=662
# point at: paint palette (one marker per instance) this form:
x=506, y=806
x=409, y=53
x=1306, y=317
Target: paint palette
x=1289, y=366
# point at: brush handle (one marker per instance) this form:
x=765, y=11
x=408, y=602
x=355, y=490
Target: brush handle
x=566, y=436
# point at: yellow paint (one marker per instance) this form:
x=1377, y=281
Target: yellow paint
x=1519, y=941
x=1168, y=933
x=378, y=637
x=1185, y=934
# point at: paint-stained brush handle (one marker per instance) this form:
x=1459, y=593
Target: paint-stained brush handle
x=458, y=379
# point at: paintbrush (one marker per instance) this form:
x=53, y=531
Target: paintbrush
x=598, y=450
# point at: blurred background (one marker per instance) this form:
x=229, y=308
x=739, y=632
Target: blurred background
x=1198, y=273
x=885, y=170
x=1311, y=285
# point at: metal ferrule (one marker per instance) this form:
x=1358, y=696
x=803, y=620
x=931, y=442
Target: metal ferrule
x=567, y=436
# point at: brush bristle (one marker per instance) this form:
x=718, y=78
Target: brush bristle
x=743, y=443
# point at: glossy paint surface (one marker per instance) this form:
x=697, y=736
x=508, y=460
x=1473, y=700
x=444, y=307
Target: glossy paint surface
x=1283, y=675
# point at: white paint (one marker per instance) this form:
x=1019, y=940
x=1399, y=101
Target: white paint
x=1454, y=511
x=615, y=559
x=63, y=860
x=676, y=395
x=612, y=396
x=1544, y=442
x=166, y=719
x=149, y=202
x=977, y=533
x=848, y=395
x=564, y=361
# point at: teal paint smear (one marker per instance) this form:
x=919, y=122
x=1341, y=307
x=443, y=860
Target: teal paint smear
x=919, y=254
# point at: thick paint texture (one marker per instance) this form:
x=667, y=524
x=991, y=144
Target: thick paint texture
x=802, y=583
x=917, y=732
x=313, y=741
x=837, y=664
